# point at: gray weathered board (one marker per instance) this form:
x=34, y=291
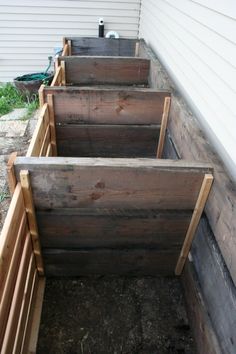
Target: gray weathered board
x=105, y=70
x=103, y=46
x=209, y=288
x=107, y=140
x=100, y=105
x=115, y=216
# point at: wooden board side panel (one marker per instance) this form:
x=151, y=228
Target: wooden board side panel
x=65, y=228
x=112, y=183
x=103, y=46
x=202, y=327
x=217, y=287
x=103, y=106
x=107, y=140
x=101, y=262
x=106, y=70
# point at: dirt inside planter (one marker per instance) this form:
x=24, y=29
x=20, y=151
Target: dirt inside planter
x=114, y=315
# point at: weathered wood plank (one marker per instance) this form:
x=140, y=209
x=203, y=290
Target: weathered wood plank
x=31, y=217
x=113, y=183
x=105, y=262
x=201, y=324
x=102, y=46
x=107, y=140
x=8, y=283
x=218, y=290
x=57, y=76
x=76, y=228
x=25, y=305
x=163, y=127
x=10, y=230
x=84, y=105
x=39, y=132
x=52, y=124
x=31, y=339
x=105, y=70
x=11, y=178
x=14, y=313
x=197, y=213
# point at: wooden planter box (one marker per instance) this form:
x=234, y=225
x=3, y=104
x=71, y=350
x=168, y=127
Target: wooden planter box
x=91, y=197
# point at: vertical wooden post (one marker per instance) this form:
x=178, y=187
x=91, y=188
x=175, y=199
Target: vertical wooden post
x=69, y=48
x=11, y=178
x=64, y=41
x=164, y=121
x=31, y=217
x=63, y=73
x=198, y=210
x=136, y=54
x=52, y=124
x=57, y=64
x=41, y=97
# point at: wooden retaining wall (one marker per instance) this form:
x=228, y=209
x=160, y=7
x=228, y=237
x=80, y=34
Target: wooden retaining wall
x=211, y=284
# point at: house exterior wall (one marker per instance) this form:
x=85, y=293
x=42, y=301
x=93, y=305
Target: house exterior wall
x=196, y=42
x=30, y=30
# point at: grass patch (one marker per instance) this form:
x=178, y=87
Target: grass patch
x=10, y=98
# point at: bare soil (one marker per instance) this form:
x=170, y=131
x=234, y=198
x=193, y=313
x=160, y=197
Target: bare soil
x=114, y=316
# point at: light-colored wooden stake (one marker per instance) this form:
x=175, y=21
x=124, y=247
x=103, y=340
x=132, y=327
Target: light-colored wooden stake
x=30, y=212
x=64, y=41
x=198, y=210
x=63, y=73
x=69, y=48
x=65, y=51
x=41, y=96
x=11, y=178
x=164, y=121
x=57, y=77
x=136, y=49
x=52, y=124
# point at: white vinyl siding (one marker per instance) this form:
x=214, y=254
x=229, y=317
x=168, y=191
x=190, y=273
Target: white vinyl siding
x=196, y=41
x=30, y=30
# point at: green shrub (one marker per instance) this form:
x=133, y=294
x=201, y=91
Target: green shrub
x=11, y=98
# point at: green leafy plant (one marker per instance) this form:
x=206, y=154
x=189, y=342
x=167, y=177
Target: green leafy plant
x=11, y=98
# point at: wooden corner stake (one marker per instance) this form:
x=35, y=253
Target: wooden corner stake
x=41, y=96
x=198, y=210
x=30, y=211
x=11, y=178
x=164, y=121
x=63, y=73
x=69, y=48
x=52, y=124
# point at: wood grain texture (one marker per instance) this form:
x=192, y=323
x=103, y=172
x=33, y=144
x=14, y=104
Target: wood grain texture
x=197, y=213
x=31, y=217
x=102, y=46
x=81, y=228
x=99, y=105
x=203, y=329
x=112, y=183
x=36, y=143
x=11, y=178
x=105, y=70
x=107, y=140
x=14, y=313
x=105, y=262
x=218, y=290
x=11, y=228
